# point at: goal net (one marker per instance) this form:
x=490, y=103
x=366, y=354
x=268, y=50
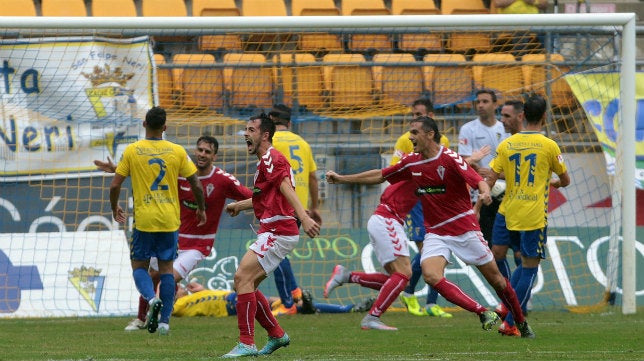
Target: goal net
x=77, y=89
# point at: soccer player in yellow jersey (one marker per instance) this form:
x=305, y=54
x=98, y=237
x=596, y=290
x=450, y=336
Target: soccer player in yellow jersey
x=299, y=154
x=528, y=160
x=154, y=165
x=414, y=222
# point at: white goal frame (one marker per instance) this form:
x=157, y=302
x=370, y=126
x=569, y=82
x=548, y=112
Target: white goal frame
x=624, y=21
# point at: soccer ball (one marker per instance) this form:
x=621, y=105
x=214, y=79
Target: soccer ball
x=498, y=190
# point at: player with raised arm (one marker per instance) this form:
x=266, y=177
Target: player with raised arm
x=441, y=178
x=154, y=164
x=528, y=159
x=276, y=206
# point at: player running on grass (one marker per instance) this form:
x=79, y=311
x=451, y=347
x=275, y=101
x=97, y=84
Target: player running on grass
x=441, y=178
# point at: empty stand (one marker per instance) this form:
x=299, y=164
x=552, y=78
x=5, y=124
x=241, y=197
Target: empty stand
x=466, y=41
x=265, y=41
x=113, y=8
x=17, y=8
x=199, y=86
x=263, y=8
x=163, y=8
x=63, y=8
x=165, y=84
x=448, y=79
x=317, y=42
x=367, y=42
x=417, y=42
x=348, y=85
x=538, y=74
x=398, y=84
x=501, y=72
x=249, y=86
x=301, y=85
x=223, y=42
x=455, y=7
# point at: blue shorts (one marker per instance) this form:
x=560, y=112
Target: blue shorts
x=162, y=245
x=530, y=243
x=415, y=224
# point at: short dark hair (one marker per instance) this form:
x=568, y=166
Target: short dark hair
x=155, y=118
x=534, y=107
x=429, y=106
x=210, y=140
x=487, y=91
x=266, y=125
x=517, y=105
x=429, y=124
x=281, y=114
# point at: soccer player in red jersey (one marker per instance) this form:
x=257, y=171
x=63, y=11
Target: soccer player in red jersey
x=389, y=240
x=441, y=178
x=276, y=206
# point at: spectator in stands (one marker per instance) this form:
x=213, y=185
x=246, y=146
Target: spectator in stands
x=299, y=154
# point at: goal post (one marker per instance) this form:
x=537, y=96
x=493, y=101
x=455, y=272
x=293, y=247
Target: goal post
x=76, y=89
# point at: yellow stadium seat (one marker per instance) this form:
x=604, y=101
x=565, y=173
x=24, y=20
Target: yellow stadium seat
x=466, y=41
x=536, y=76
x=63, y=8
x=263, y=8
x=163, y=8
x=415, y=42
x=165, y=84
x=506, y=77
x=398, y=84
x=451, y=7
x=367, y=42
x=226, y=42
x=265, y=41
x=317, y=42
x=199, y=87
x=17, y=8
x=348, y=85
x=249, y=86
x=304, y=84
x=450, y=80
x=113, y=8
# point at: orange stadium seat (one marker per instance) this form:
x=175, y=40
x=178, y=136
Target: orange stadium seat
x=317, y=42
x=450, y=81
x=63, y=8
x=199, y=87
x=536, y=76
x=225, y=42
x=398, y=84
x=348, y=85
x=263, y=8
x=17, y=8
x=415, y=42
x=305, y=83
x=248, y=86
x=466, y=41
x=163, y=8
x=505, y=77
x=113, y=8
x=367, y=42
x=165, y=84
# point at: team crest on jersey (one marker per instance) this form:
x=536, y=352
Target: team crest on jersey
x=441, y=171
x=209, y=188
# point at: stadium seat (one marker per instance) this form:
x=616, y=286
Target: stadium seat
x=367, y=42
x=506, y=77
x=317, y=42
x=265, y=42
x=450, y=81
x=163, y=8
x=417, y=42
x=17, y=8
x=199, y=87
x=303, y=83
x=223, y=42
x=249, y=86
x=113, y=8
x=348, y=85
x=536, y=76
x=397, y=84
x=63, y=8
x=165, y=84
x=465, y=41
